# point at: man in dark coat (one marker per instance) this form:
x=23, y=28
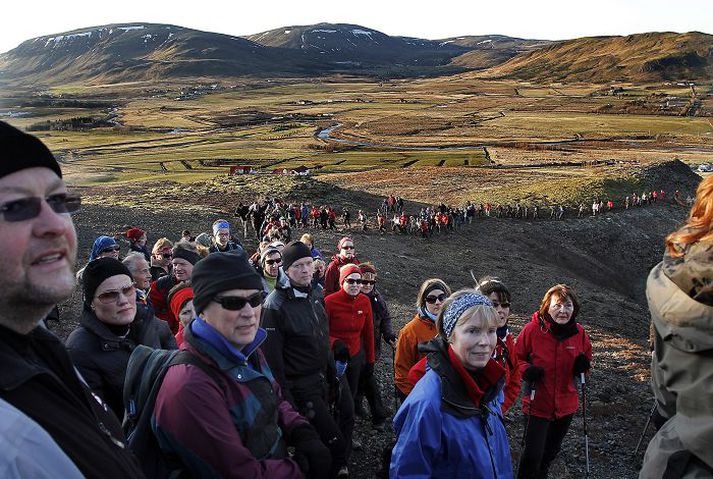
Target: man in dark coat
x=297, y=349
x=37, y=377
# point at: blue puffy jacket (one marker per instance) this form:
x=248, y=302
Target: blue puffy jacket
x=442, y=434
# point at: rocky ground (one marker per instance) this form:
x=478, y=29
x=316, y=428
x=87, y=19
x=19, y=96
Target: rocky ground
x=605, y=258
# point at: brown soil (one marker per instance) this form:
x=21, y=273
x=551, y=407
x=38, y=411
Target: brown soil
x=606, y=259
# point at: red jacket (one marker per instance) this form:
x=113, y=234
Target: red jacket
x=506, y=357
x=350, y=319
x=331, y=275
x=557, y=395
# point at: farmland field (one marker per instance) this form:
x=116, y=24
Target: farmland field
x=190, y=132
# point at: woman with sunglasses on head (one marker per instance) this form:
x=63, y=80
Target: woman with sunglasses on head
x=351, y=327
x=233, y=422
x=420, y=329
x=499, y=295
x=450, y=425
x=111, y=326
x=554, y=351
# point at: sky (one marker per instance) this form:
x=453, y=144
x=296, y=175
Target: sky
x=533, y=19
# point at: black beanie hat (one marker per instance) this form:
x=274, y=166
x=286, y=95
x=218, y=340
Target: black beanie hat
x=97, y=271
x=190, y=256
x=219, y=272
x=21, y=151
x=294, y=251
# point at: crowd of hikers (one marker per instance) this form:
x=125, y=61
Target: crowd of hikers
x=275, y=219
x=224, y=362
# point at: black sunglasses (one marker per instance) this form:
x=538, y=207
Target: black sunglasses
x=367, y=282
x=502, y=305
x=432, y=299
x=347, y=247
x=352, y=281
x=236, y=303
x=28, y=208
x=273, y=261
x=110, y=249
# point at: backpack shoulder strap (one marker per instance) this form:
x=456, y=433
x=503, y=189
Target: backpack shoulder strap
x=186, y=357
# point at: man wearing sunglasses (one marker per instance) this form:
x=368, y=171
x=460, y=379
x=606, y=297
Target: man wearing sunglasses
x=58, y=424
x=270, y=262
x=241, y=425
x=346, y=254
x=297, y=348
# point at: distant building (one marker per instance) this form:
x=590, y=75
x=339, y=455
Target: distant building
x=241, y=170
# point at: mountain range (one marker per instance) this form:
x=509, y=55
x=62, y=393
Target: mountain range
x=143, y=51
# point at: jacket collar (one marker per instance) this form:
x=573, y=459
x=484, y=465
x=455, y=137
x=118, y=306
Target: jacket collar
x=210, y=342
x=18, y=353
x=455, y=394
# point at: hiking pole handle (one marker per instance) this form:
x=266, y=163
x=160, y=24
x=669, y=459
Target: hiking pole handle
x=582, y=379
x=532, y=394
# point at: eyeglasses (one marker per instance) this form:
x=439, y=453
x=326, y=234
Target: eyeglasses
x=432, y=299
x=28, y=208
x=347, y=248
x=111, y=249
x=273, y=261
x=109, y=297
x=367, y=282
x=502, y=305
x=236, y=303
x=352, y=281
x=166, y=255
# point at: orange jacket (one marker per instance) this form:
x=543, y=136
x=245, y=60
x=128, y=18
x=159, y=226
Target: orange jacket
x=418, y=330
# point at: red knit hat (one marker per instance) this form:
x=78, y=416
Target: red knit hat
x=344, y=240
x=180, y=298
x=346, y=270
x=135, y=234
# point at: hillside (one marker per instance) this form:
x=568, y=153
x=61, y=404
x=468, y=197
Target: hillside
x=646, y=57
x=128, y=52
x=358, y=46
x=490, y=50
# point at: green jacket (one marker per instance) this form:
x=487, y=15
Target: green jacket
x=682, y=366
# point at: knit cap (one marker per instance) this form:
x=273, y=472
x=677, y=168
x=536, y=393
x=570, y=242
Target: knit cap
x=99, y=270
x=294, y=251
x=344, y=240
x=220, y=272
x=179, y=298
x=135, y=234
x=21, y=151
x=346, y=270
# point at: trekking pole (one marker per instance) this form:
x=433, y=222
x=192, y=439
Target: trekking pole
x=584, y=420
x=646, y=428
x=527, y=427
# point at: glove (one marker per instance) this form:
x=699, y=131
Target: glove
x=341, y=352
x=341, y=368
x=391, y=339
x=311, y=455
x=368, y=370
x=533, y=374
x=581, y=364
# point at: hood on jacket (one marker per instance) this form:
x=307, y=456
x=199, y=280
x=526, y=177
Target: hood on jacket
x=675, y=313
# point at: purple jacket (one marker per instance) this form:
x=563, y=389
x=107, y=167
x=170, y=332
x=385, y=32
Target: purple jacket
x=235, y=429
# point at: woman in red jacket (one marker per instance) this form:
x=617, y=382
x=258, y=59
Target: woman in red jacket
x=553, y=350
x=499, y=295
x=351, y=326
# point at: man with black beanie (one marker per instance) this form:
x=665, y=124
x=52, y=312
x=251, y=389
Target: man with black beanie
x=53, y=425
x=297, y=350
x=233, y=422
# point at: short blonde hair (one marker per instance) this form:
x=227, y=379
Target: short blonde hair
x=161, y=243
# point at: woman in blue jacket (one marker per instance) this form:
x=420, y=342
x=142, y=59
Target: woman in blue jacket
x=451, y=424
